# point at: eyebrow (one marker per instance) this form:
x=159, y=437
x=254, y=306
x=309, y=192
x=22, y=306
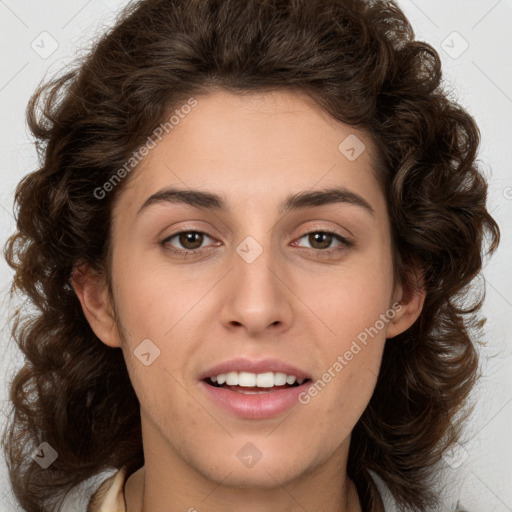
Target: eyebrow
x=300, y=200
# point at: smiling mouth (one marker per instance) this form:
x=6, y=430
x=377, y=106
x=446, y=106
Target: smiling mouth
x=254, y=390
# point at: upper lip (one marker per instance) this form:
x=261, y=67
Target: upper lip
x=242, y=364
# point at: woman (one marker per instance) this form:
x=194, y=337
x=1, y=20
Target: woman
x=273, y=209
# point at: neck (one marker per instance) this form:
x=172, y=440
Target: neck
x=172, y=482
x=136, y=501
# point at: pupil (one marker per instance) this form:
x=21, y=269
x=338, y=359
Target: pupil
x=185, y=238
x=315, y=237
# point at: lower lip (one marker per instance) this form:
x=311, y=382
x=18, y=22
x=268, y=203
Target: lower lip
x=258, y=406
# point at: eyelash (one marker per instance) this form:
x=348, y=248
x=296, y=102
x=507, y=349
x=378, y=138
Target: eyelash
x=344, y=245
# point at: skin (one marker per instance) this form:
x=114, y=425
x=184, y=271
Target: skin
x=293, y=302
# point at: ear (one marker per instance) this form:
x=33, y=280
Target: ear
x=92, y=292
x=408, y=302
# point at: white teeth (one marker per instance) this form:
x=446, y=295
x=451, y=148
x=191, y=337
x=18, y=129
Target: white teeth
x=265, y=380
x=261, y=380
x=232, y=379
x=279, y=379
x=290, y=379
x=247, y=379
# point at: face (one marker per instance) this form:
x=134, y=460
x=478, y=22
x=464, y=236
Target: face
x=306, y=290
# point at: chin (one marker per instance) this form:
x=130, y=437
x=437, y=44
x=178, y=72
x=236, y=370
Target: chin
x=265, y=473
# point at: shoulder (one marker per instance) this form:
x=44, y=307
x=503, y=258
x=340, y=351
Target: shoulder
x=109, y=496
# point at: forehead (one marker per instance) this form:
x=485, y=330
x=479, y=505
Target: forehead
x=257, y=147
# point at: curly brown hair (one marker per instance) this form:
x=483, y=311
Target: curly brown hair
x=356, y=59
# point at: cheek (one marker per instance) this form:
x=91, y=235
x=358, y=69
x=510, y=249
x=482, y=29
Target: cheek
x=355, y=306
x=153, y=299
x=354, y=297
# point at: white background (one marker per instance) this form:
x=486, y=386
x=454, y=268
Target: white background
x=481, y=80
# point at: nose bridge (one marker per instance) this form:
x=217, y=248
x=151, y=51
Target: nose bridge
x=257, y=297
x=254, y=269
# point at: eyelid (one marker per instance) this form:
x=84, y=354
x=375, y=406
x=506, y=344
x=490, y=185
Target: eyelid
x=316, y=225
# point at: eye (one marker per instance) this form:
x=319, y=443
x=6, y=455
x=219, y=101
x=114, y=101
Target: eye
x=321, y=241
x=191, y=241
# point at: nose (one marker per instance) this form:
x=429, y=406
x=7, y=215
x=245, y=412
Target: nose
x=257, y=292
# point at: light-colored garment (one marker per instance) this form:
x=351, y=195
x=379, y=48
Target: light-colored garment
x=110, y=495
